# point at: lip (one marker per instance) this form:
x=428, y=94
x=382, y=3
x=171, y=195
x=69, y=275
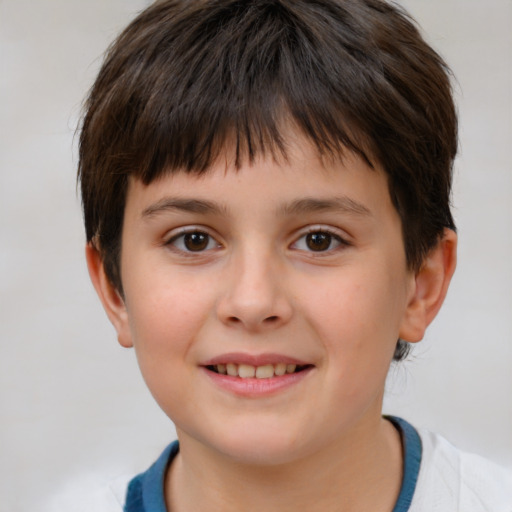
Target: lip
x=253, y=359
x=254, y=387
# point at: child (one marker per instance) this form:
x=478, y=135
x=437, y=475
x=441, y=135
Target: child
x=266, y=189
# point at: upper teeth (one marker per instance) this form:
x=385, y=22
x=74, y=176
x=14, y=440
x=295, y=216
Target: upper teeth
x=246, y=371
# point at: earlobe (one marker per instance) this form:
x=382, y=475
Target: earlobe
x=430, y=287
x=109, y=296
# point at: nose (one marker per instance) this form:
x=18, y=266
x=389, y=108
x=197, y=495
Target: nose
x=255, y=297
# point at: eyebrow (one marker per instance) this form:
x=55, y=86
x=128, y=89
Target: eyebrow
x=337, y=204
x=185, y=205
x=299, y=207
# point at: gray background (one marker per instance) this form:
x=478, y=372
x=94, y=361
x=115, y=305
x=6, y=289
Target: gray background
x=73, y=406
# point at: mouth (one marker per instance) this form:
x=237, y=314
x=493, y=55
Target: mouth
x=247, y=371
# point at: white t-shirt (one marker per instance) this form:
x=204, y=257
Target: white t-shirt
x=448, y=481
x=453, y=481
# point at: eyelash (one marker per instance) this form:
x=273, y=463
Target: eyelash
x=332, y=238
x=178, y=241
x=191, y=232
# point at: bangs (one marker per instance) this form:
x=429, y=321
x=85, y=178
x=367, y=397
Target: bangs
x=234, y=81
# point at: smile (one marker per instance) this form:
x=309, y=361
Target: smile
x=256, y=375
x=247, y=371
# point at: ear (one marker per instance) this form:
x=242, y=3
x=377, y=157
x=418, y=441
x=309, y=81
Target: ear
x=430, y=287
x=110, y=297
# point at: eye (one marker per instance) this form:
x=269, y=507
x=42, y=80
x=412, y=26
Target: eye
x=319, y=241
x=193, y=241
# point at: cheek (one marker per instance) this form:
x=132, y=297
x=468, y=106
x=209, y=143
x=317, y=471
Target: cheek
x=357, y=316
x=357, y=303
x=166, y=315
x=165, y=322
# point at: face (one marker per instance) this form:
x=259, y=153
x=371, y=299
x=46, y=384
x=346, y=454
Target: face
x=264, y=304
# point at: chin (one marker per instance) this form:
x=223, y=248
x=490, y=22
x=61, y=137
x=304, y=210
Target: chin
x=261, y=452
x=258, y=444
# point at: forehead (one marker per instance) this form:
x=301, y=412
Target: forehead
x=300, y=181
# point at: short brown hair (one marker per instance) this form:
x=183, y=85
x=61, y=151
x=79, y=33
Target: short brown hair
x=188, y=79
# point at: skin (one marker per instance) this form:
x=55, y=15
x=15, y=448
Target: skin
x=256, y=284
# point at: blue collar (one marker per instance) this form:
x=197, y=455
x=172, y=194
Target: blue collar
x=412, y=451
x=146, y=491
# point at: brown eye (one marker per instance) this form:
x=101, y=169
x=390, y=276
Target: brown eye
x=196, y=241
x=319, y=241
x=193, y=241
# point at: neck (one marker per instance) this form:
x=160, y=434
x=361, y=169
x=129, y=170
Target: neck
x=361, y=471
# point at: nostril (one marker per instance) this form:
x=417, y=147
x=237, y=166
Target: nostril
x=253, y=323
